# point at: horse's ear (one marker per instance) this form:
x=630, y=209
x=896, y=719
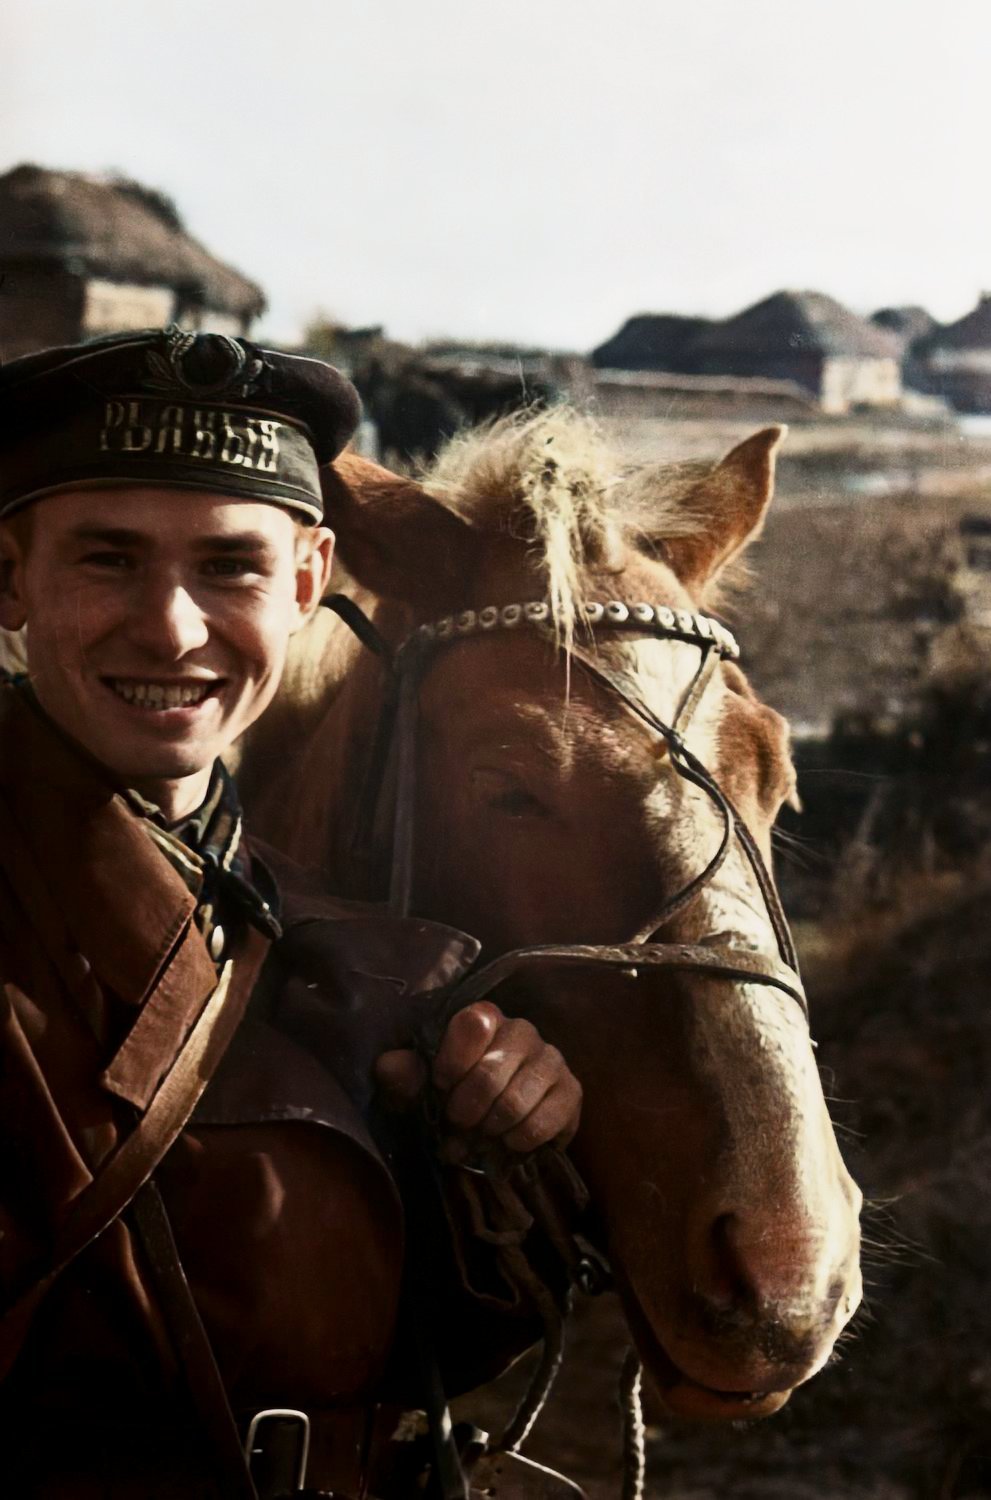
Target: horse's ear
x=730, y=503
x=391, y=535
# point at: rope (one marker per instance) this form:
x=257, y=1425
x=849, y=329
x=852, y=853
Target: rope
x=522, y=1422
x=634, y=1450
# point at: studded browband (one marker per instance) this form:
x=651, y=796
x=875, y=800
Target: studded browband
x=658, y=619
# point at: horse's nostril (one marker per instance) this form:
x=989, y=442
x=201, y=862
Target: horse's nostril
x=770, y=1266
x=728, y=1286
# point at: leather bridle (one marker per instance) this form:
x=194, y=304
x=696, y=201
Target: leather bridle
x=397, y=732
x=523, y=1196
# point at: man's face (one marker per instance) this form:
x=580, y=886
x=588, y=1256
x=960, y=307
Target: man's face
x=159, y=619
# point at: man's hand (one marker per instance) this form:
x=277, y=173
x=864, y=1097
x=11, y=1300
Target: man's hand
x=498, y=1079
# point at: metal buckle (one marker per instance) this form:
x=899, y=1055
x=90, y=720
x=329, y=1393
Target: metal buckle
x=276, y=1481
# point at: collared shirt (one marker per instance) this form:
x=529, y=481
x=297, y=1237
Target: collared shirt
x=207, y=850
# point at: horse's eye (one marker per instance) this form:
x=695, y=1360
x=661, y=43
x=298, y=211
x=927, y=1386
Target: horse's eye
x=503, y=793
x=518, y=804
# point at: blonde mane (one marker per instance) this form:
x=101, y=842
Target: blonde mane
x=553, y=480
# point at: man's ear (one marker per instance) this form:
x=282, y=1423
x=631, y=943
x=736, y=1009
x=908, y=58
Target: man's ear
x=314, y=558
x=13, y=613
x=730, y=503
x=392, y=536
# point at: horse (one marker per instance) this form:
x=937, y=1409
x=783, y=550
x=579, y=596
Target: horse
x=550, y=805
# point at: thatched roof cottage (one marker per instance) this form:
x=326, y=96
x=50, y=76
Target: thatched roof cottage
x=652, y=341
x=812, y=339
x=82, y=255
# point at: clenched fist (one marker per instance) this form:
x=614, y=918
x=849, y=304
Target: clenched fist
x=497, y=1076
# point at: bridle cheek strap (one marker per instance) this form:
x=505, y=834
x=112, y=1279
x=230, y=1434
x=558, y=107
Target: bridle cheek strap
x=408, y=711
x=691, y=769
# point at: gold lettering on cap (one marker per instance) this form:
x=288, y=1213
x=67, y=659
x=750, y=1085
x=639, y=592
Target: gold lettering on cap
x=137, y=437
x=113, y=417
x=268, y=459
x=251, y=441
x=234, y=450
x=170, y=421
x=204, y=435
x=212, y=436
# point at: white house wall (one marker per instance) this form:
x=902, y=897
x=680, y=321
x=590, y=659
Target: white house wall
x=115, y=307
x=855, y=381
x=118, y=307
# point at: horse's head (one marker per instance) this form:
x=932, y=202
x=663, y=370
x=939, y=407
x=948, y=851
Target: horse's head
x=548, y=812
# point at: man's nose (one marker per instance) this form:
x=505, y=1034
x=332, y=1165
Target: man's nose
x=167, y=621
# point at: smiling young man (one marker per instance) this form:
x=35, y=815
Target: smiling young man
x=196, y=1222
x=158, y=628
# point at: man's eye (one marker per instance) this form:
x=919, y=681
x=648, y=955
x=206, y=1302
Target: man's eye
x=112, y=560
x=230, y=567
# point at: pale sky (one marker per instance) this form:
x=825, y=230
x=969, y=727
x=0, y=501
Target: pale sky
x=531, y=169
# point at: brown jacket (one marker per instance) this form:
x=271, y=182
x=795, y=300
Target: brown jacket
x=289, y=1225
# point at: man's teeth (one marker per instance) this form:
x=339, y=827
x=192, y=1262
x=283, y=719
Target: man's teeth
x=157, y=695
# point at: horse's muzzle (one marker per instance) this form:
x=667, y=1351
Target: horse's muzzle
x=719, y=1373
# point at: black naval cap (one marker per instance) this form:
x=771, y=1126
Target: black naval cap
x=168, y=407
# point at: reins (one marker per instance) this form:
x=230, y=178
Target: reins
x=396, y=734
